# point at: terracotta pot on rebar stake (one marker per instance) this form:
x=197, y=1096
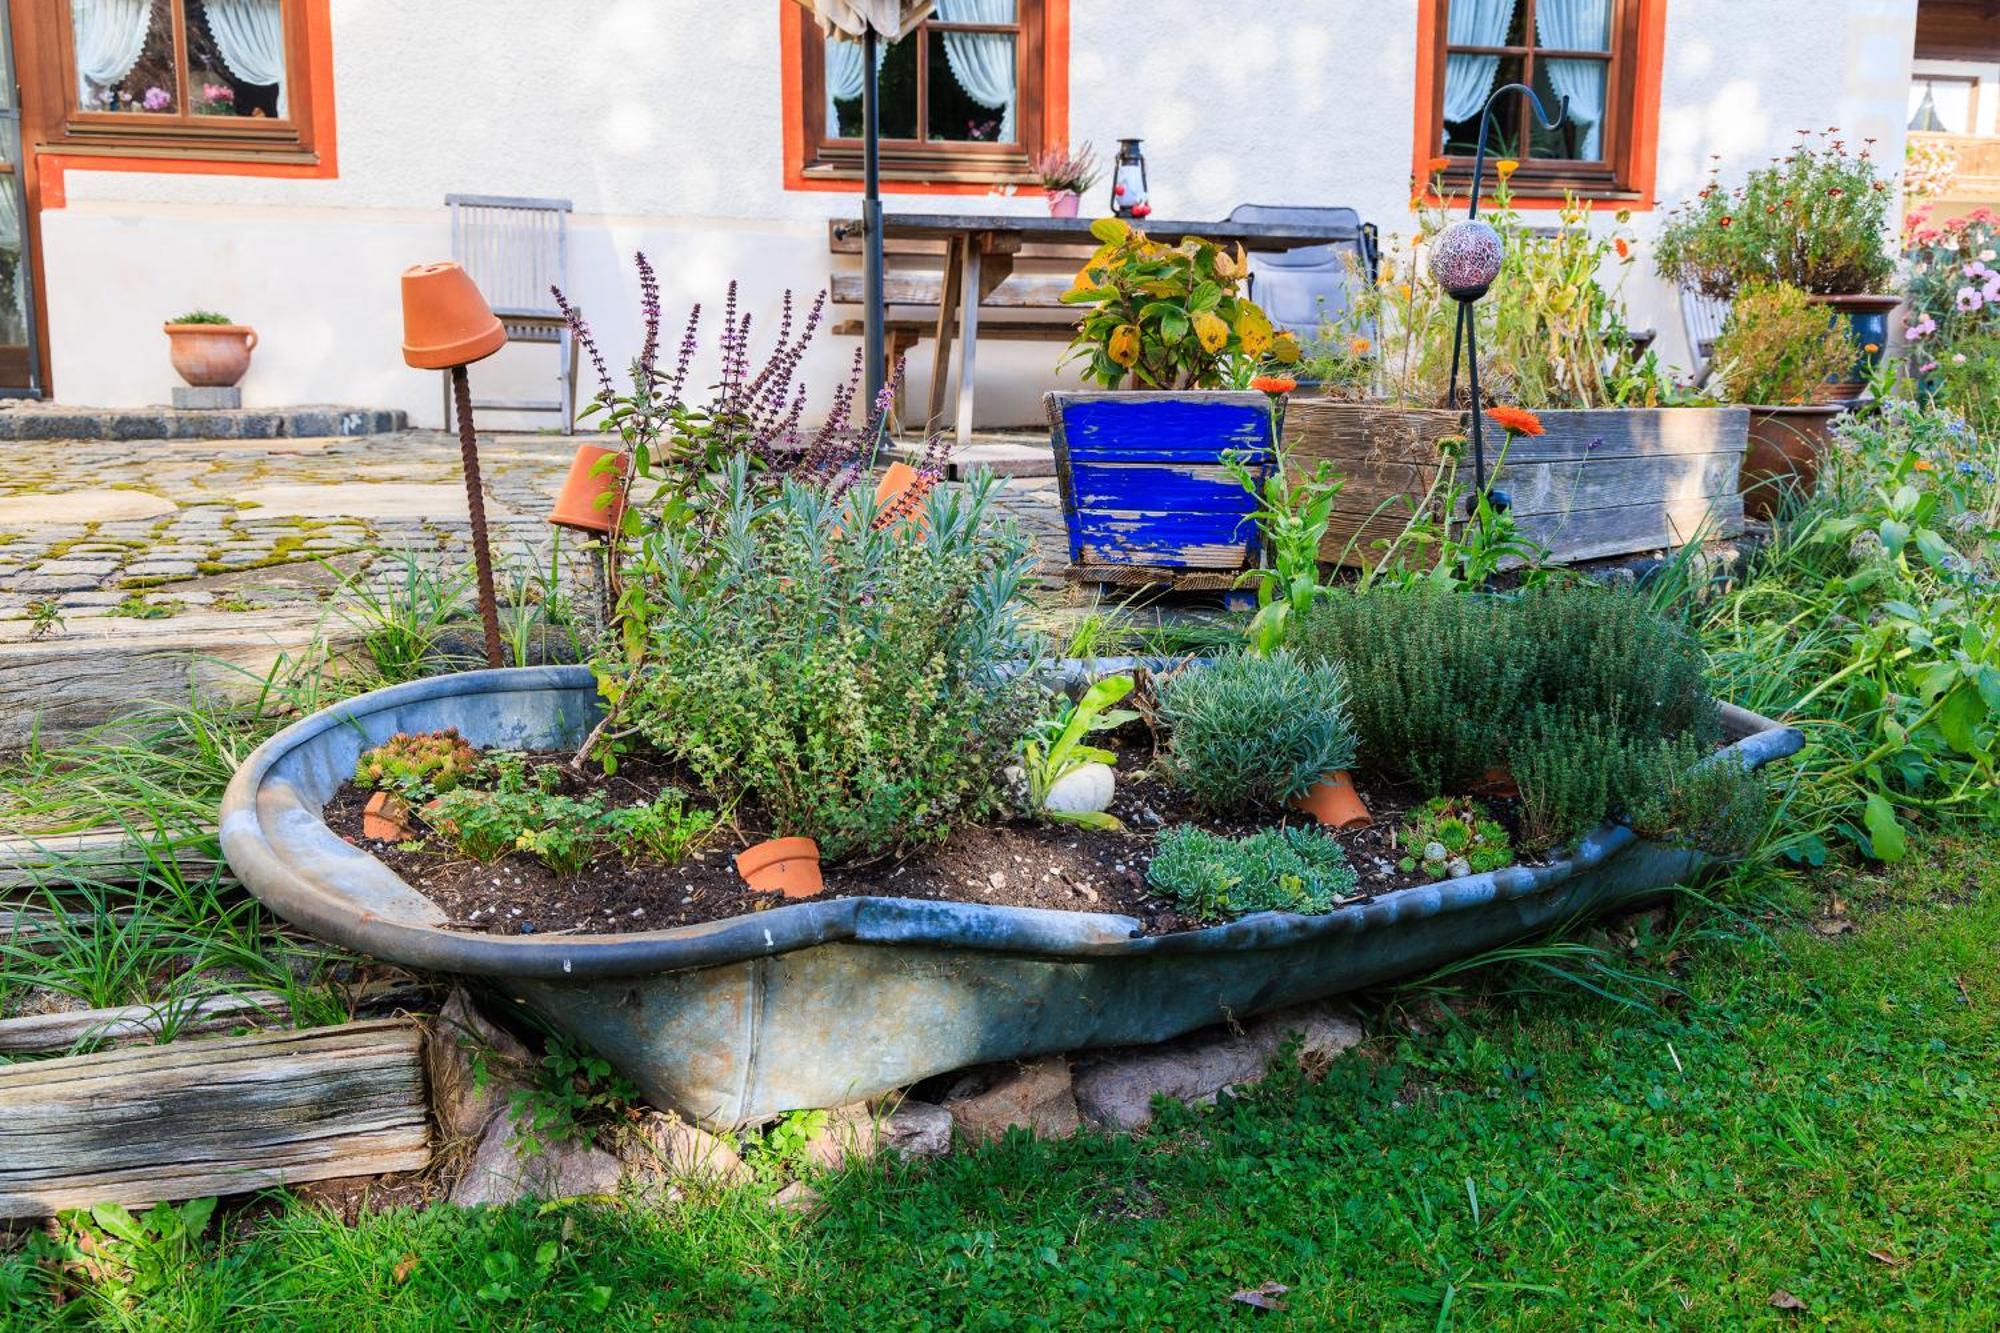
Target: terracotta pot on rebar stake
x=577, y=504
x=447, y=325
x=214, y=356
x=784, y=865
x=1334, y=802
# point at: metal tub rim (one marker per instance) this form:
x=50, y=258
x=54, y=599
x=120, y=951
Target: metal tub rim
x=276, y=842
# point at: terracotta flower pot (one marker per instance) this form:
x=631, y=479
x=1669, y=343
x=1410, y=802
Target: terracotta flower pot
x=1786, y=443
x=1334, y=802
x=1062, y=203
x=1867, y=320
x=1497, y=781
x=386, y=818
x=784, y=865
x=446, y=322
x=210, y=355
x=576, y=505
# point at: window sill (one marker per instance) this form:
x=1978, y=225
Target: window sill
x=913, y=174
x=277, y=154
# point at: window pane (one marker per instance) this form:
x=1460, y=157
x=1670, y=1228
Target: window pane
x=236, y=57
x=972, y=87
x=896, y=85
x=124, y=55
x=1941, y=106
x=1573, y=25
x=1470, y=79
x=1461, y=115
x=1583, y=82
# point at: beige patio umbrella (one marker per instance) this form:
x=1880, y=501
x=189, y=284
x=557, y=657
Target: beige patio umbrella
x=869, y=21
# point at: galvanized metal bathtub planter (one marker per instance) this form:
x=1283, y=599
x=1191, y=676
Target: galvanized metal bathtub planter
x=826, y=1002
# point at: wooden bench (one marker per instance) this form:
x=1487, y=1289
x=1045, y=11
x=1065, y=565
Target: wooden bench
x=1020, y=299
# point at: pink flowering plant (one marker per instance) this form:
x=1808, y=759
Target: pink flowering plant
x=1951, y=272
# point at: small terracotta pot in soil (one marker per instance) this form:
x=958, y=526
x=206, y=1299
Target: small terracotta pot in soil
x=1786, y=444
x=784, y=865
x=446, y=322
x=386, y=818
x=1334, y=802
x=576, y=505
x=210, y=356
x=1497, y=781
x=1062, y=203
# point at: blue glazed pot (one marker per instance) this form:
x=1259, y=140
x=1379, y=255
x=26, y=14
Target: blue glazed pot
x=1867, y=320
x=830, y=1001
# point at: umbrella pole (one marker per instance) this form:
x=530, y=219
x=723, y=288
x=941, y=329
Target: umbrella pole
x=871, y=217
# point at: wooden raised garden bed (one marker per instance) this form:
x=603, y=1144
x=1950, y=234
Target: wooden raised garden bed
x=1599, y=482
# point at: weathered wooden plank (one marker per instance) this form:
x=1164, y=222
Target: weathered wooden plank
x=1581, y=534
x=1069, y=252
x=211, y=1117
x=100, y=670
x=1164, y=487
x=1185, y=540
x=1322, y=428
x=1016, y=328
x=1537, y=488
x=1015, y=291
x=114, y=856
x=1163, y=427
x=136, y=1022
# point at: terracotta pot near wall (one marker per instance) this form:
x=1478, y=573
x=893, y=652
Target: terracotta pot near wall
x=210, y=355
x=1786, y=444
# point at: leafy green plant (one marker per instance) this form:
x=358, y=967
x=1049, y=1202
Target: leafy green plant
x=1212, y=877
x=562, y=832
x=576, y=1095
x=779, y=1150
x=1776, y=347
x=1446, y=831
x=201, y=317
x=418, y=766
x=44, y=617
x=1168, y=316
x=1250, y=733
x=122, y=1257
x=1055, y=747
x=1817, y=220
x=841, y=674
x=1716, y=804
x=662, y=829
x=1294, y=508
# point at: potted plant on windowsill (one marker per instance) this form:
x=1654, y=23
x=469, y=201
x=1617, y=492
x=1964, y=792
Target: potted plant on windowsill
x=1067, y=176
x=209, y=351
x=1140, y=462
x=1818, y=220
x=1775, y=356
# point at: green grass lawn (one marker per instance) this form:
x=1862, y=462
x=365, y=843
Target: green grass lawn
x=1805, y=1113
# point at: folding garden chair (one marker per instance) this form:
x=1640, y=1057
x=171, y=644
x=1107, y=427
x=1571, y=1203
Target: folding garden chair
x=1301, y=288
x=516, y=249
x=1702, y=317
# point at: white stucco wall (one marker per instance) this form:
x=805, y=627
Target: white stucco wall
x=661, y=120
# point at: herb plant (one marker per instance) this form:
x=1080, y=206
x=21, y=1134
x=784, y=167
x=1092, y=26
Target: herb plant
x=1213, y=878
x=201, y=317
x=1778, y=348
x=1250, y=733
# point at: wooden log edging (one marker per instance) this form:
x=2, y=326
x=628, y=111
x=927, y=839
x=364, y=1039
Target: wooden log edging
x=147, y=1123
x=105, y=855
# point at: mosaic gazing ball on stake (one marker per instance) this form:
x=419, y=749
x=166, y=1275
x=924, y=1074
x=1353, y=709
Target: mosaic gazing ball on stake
x=1465, y=259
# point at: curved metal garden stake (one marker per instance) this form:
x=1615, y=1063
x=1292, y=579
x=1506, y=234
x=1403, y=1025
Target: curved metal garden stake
x=1478, y=280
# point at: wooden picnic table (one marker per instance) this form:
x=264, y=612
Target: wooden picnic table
x=979, y=256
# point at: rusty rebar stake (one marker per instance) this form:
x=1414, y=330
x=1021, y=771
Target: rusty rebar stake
x=475, y=504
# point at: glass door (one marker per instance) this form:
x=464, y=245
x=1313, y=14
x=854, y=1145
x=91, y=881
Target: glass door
x=20, y=366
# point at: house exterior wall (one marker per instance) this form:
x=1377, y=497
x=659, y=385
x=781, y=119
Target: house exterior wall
x=661, y=120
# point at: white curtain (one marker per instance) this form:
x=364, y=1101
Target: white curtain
x=892, y=18
x=1469, y=78
x=1578, y=25
x=843, y=74
x=250, y=34
x=110, y=35
x=983, y=62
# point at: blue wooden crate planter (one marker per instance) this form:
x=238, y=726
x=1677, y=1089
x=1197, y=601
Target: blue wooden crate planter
x=1142, y=481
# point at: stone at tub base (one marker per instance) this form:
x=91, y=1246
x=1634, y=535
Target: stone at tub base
x=207, y=396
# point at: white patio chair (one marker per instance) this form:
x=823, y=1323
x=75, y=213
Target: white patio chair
x=1702, y=317
x=516, y=249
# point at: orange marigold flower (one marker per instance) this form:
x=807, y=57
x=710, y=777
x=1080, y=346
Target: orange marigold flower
x=1515, y=420
x=1623, y=247
x=1274, y=384
x=1725, y=221
x=1438, y=164
x=1359, y=346
x=1505, y=167
x=1924, y=465
x=1871, y=348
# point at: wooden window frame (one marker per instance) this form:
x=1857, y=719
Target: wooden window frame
x=1631, y=101
x=47, y=37
x=950, y=162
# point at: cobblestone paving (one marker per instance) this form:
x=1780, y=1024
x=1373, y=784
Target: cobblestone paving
x=155, y=527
